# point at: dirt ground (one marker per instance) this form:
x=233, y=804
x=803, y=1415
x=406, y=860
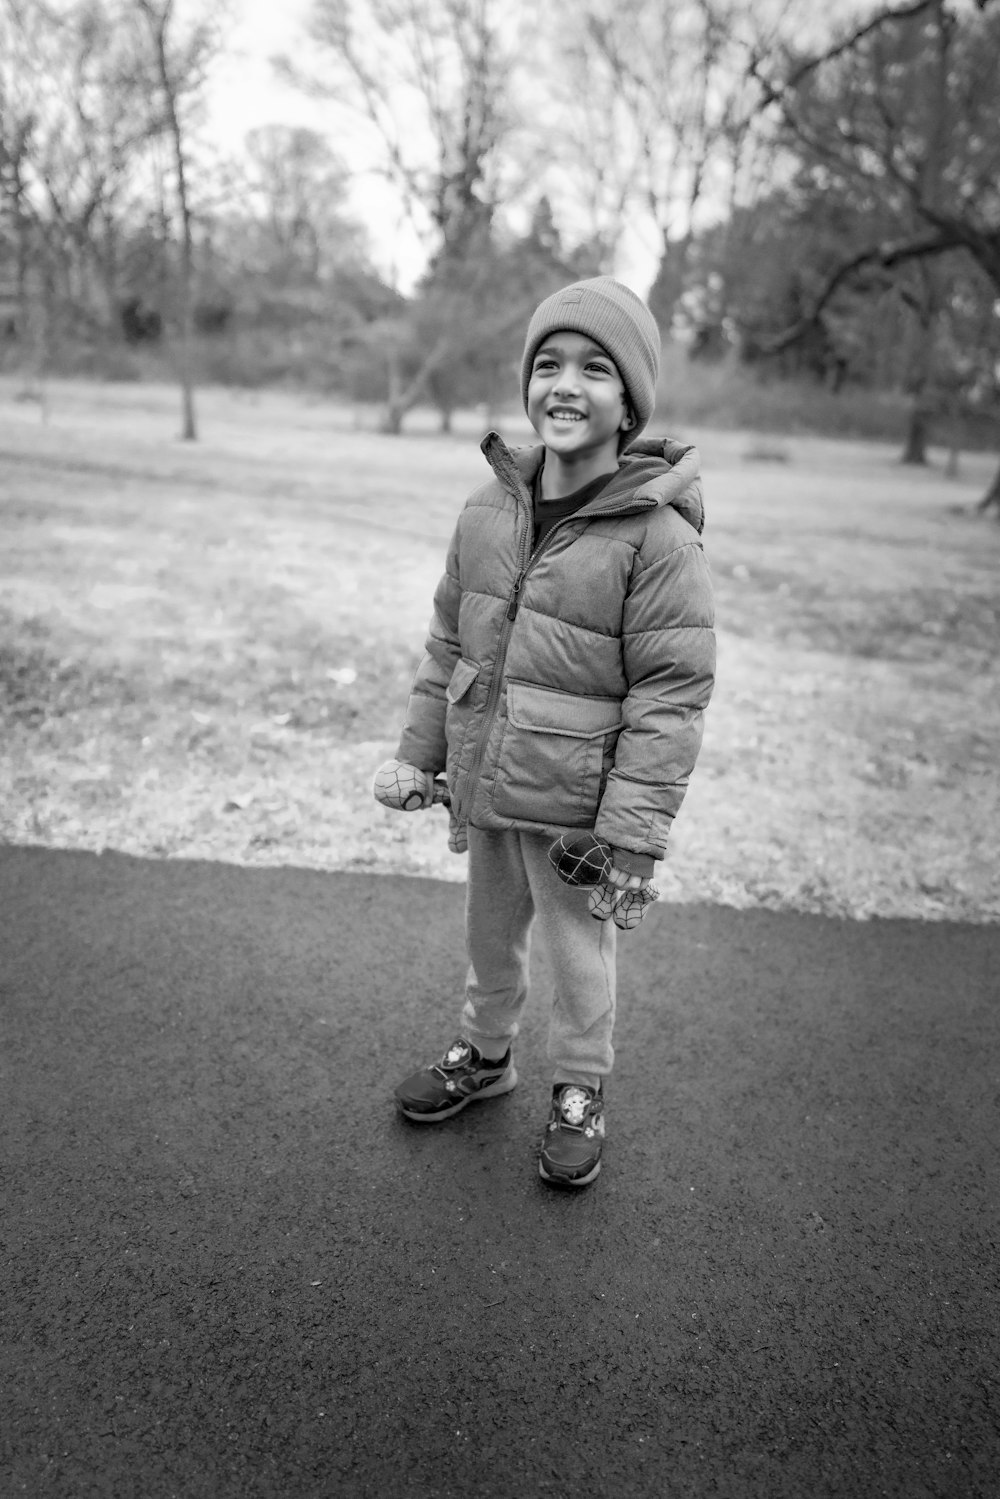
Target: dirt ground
x=206, y=650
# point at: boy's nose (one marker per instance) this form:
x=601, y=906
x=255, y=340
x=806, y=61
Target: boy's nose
x=569, y=380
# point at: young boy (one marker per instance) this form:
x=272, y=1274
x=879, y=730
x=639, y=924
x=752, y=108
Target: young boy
x=569, y=662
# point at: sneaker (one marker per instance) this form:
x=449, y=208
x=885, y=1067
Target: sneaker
x=461, y=1077
x=571, y=1150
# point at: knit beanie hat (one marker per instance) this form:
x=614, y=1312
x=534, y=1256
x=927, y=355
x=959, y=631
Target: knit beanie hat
x=616, y=319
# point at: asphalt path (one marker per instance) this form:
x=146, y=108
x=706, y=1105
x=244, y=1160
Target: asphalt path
x=229, y=1269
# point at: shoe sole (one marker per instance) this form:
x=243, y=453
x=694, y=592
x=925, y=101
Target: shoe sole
x=492, y=1090
x=567, y=1181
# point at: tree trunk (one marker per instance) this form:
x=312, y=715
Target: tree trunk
x=953, y=413
x=403, y=398
x=991, y=499
x=392, y=418
x=915, y=450
x=396, y=405
x=445, y=424
x=668, y=284
x=189, y=428
x=925, y=302
x=158, y=23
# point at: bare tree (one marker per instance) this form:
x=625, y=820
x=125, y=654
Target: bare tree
x=666, y=115
x=73, y=117
x=295, y=188
x=178, y=58
x=17, y=122
x=432, y=80
x=431, y=77
x=592, y=163
x=903, y=103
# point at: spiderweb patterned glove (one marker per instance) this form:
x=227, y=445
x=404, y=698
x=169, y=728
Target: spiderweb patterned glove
x=404, y=788
x=584, y=859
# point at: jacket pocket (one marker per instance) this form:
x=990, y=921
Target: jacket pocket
x=556, y=749
x=462, y=678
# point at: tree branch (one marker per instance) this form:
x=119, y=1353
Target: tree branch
x=886, y=256
x=774, y=92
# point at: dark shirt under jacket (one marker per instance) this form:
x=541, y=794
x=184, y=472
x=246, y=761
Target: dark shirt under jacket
x=548, y=512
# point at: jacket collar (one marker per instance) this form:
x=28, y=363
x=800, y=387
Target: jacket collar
x=664, y=472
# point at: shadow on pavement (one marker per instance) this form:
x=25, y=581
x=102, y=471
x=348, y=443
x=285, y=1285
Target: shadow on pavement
x=230, y=1269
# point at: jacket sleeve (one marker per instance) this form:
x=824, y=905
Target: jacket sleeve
x=668, y=646
x=422, y=742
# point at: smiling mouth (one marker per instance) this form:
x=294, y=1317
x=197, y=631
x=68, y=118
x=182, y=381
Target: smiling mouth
x=565, y=414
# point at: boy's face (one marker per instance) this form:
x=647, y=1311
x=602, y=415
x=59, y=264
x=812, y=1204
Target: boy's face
x=576, y=398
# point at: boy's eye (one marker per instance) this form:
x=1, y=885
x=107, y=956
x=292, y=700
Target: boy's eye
x=597, y=367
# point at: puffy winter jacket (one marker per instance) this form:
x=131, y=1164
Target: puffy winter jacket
x=564, y=688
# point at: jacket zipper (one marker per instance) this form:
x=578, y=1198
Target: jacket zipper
x=506, y=630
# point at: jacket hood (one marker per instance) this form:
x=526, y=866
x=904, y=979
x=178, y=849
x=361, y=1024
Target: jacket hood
x=661, y=470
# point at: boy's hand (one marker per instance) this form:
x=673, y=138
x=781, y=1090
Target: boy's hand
x=585, y=859
x=622, y=880
x=405, y=788
x=624, y=897
x=625, y=907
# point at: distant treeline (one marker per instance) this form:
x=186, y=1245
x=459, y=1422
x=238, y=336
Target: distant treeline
x=823, y=197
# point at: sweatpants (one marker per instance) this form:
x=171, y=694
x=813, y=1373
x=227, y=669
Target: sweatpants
x=510, y=883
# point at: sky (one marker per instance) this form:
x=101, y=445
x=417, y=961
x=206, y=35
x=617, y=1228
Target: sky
x=245, y=90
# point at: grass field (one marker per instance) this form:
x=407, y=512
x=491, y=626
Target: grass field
x=206, y=649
